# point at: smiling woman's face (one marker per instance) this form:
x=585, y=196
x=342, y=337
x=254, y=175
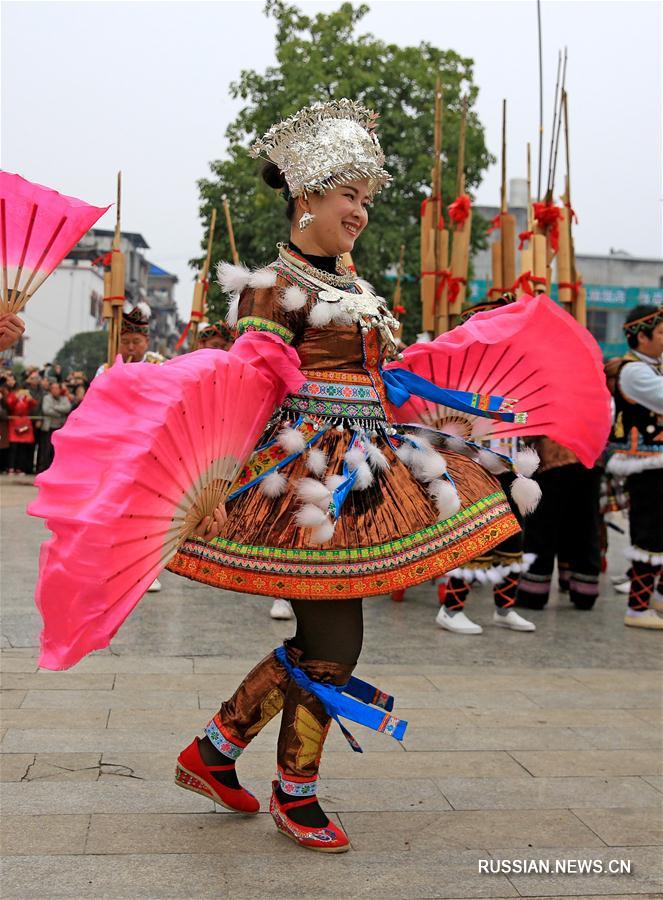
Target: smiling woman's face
x=341, y=214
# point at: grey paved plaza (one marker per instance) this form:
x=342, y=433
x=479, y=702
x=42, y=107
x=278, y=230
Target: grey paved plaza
x=543, y=746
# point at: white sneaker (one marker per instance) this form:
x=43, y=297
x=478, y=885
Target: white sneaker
x=656, y=601
x=623, y=587
x=458, y=623
x=648, y=618
x=513, y=620
x=281, y=609
x=155, y=587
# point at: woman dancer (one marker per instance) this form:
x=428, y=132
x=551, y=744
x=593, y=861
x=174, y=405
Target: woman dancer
x=336, y=503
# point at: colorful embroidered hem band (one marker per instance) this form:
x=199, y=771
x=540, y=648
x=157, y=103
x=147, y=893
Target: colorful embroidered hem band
x=215, y=732
x=297, y=788
x=350, y=700
x=256, y=323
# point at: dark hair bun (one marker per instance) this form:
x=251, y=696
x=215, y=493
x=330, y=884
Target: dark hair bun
x=273, y=176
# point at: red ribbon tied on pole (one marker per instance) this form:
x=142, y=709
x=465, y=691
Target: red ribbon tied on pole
x=524, y=236
x=399, y=310
x=523, y=281
x=573, y=286
x=495, y=223
x=103, y=260
x=459, y=210
x=547, y=216
x=455, y=282
x=572, y=212
x=424, y=204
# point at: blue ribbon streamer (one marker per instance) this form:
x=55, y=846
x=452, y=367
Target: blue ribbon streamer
x=402, y=384
x=351, y=701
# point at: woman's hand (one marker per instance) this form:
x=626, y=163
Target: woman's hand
x=211, y=526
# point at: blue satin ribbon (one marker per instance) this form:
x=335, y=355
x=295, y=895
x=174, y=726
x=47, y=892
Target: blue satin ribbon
x=402, y=384
x=351, y=701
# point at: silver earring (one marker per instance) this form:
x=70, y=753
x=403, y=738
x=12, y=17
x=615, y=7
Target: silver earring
x=306, y=220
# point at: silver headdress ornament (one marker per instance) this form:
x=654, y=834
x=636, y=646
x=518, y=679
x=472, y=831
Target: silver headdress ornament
x=325, y=145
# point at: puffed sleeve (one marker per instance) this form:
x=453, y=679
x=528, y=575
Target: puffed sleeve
x=264, y=301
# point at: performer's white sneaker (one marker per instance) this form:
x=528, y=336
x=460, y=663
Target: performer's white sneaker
x=281, y=609
x=513, y=620
x=656, y=601
x=458, y=623
x=647, y=618
x=623, y=587
x=155, y=587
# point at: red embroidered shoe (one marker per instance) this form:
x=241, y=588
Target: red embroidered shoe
x=330, y=839
x=193, y=774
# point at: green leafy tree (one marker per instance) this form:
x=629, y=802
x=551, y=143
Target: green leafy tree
x=84, y=352
x=321, y=57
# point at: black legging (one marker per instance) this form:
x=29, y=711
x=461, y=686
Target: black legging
x=332, y=630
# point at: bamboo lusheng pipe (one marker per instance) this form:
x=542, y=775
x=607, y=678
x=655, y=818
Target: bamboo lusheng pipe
x=527, y=253
x=578, y=298
x=116, y=298
x=231, y=233
x=396, y=300
x=507, y=222
x=440, y=234
x=460, y=240
x=199, y=302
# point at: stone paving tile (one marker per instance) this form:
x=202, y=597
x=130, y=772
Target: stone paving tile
x=471, y=738
x=76, y=719
x=223, y=685
x=179, y=833
x=366, y=794
x=11, y=699
x=140, y=719
x=646, y=875
x=106, y=740
x=638, y=737
x=548, y=793
x=222, y=665
x=610, y=679
x=569, y=718
x=466, y=829
x=125, y=795
x=62, y=681
x=655, y=716
x=42, y=835
x=590, y=762
x=592, y=698
x=625, y=827
x=111, y=699
x=51, y=766
x=278, y=868
x=655, y=781
x=135, y=665
x=17, y=663
x=13, y=766
x=497, y=680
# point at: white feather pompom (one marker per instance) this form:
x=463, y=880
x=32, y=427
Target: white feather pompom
x=233, y=279
x=446, y=499
x=376, y=458
x=491, y=462
x=354, y=458
x=365, y=285
x=310, y=516
x=526, y=461
x=321, y=314
x=333, y=482
x=262, y=278
x=316, y=461
x=274, y=484
x=323, y=533
x=526, y=494
x=404, y=453
x=233, y=312
x=144, y=308
x=364, y=477
x=427, y=465
x=458, y=445
x=291, y=440
x=311, y=491
x=293, y=298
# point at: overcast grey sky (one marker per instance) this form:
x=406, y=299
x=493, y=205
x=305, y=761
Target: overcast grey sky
x=89, y=88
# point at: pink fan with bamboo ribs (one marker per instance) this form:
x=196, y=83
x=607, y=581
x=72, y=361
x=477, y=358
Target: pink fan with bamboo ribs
x=38, y=227
x=150, y=452
x=531, y=351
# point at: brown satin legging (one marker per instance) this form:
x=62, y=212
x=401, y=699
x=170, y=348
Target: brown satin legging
x=331, y=630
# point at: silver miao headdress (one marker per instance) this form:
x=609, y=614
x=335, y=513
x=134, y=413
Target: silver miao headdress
x=325, y=145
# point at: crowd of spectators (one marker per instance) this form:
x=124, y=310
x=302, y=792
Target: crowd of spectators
x=33, y=405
